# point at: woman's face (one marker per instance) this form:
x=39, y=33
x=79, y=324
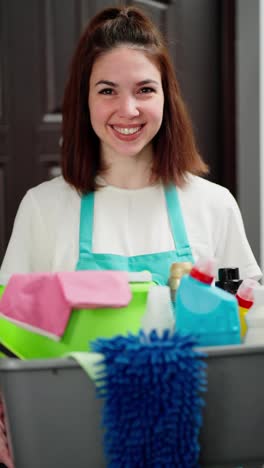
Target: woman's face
x=125, y=102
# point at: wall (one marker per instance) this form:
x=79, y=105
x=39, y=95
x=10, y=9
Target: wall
x=261, y=26
x=249, y=167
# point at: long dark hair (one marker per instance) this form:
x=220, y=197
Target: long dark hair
x=175, y=152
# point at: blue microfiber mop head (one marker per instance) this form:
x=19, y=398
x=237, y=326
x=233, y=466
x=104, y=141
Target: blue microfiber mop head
x=152, y=388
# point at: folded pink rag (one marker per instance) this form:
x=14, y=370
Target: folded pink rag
x=42, y=302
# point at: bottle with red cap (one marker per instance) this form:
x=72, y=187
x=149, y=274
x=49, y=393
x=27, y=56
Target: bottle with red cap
x=245, y=298
x=204, y=310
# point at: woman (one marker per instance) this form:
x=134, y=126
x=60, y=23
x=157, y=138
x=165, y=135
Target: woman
x=130, y=196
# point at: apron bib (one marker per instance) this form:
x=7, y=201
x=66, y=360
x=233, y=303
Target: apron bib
x=158, y=264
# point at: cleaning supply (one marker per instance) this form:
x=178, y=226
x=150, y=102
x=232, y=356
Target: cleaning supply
x=5, y=453
x=228, y=279
x=42, y=302
x=245, y=298
x=255, y=319
x=90, y=362
x=159, y=313
x=152, y=403
x=206, y=310
x=177, y=270
x=84, y=326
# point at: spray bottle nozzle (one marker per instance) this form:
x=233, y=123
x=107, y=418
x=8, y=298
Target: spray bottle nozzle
x=228, y=274
x=245, y=292
x=204, y=270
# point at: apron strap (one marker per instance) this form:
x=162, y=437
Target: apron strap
x=176, y=220
x=86, y=223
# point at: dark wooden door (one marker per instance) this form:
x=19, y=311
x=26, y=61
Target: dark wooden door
x=37, y=38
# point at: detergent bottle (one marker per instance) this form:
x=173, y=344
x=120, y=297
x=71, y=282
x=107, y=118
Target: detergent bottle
x=245, y=298
x=228, y=279
x=204, y=310
x=255, y=319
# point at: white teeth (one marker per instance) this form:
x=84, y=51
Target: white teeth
x=127, y=131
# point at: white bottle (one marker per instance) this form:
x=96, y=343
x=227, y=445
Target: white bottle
x=255, y=319
x=159, y=312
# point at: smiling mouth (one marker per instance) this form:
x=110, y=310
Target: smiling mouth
x=127, y=130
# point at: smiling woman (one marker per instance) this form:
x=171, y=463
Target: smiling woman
x=131, y=196
x=122, y=60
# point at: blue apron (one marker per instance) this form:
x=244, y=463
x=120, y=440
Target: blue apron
x=157, y=263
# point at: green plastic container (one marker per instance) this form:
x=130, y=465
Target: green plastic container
x=84, y=326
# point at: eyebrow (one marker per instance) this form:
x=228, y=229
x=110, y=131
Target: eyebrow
x=115, y=85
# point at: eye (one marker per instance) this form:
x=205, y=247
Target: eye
x=147, y=90
x=107, y=91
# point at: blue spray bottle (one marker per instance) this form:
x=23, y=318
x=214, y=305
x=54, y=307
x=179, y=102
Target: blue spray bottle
x=205, y=310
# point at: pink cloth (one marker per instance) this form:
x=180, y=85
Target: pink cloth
x=42, y=302
x=5, y=456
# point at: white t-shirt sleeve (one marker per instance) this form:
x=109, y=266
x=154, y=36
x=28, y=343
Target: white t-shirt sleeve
x=232, y=246
x=26, y=249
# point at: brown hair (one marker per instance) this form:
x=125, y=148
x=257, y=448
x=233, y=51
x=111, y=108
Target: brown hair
x=174, y=146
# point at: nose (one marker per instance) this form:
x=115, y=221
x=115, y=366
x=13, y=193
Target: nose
x=128, y=107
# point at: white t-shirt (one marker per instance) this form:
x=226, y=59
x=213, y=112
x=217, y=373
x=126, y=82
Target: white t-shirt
x=45, y=236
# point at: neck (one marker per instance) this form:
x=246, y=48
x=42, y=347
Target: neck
x=128, y=172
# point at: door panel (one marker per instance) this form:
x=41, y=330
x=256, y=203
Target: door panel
x=5, y=155
x=58, y=38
